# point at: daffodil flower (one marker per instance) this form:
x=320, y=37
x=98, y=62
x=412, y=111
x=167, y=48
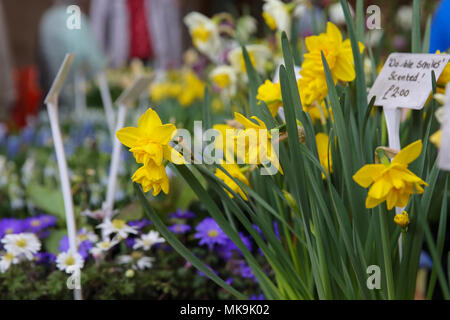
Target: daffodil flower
x=149, y=142
x=234, y=171
x=392, y=182
x=339, y=56
x=270, y=93
x=323, y=149
x=254, y=142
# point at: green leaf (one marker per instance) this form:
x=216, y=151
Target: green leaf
x=47, y=199
x=131, y=212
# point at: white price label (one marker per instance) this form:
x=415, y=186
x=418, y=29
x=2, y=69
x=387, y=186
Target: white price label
x=405, y=80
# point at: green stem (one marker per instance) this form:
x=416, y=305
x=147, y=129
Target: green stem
x=386, y=255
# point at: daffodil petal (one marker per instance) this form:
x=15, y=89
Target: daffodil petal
x=128, y=136
x=409, y=153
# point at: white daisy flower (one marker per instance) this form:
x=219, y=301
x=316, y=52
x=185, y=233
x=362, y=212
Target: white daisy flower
x=124, y=259
x=23, y=243
x=6, y=260
x=116, y=226
x=146, y=241
x=144, y=263
x=103, y=246
x=85, y=234
x=69, y=262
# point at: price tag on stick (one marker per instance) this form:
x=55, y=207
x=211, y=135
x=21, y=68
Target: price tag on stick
x=405, y=80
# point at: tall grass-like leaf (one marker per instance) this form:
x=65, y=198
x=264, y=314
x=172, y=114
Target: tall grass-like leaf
x=179, y=247
x=415, y=31
x=361, y=94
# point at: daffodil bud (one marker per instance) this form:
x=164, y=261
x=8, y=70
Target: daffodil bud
x=402, y=219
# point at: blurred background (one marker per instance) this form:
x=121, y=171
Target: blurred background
x=34, y=38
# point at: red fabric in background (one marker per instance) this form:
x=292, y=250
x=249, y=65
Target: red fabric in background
x=140, y=43
x=28, y=95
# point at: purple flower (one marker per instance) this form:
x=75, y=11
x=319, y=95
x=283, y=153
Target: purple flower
x=130, y=242
x=39, y=223
x=139, y=224
x=246, y=272
x=209, y=233
x=180, y=214
x=257, y=297
x=179, y=228
x=45, y=258
x=11, y=225
x=229, y=281
x=227, y=250
x=83, y=248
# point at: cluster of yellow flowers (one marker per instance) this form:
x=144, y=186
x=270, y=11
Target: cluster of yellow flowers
x=185, y=86
x=251, y=143
x=149, y=143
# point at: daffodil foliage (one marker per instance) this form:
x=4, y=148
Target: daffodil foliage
x=337, y=189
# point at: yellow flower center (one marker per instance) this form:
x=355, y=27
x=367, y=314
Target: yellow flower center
x=35, y=223
x=222, y=80
x=270, y=21
x=21, y=243
x=9, y=256
x=200, y=34
x=136, y=254
x=213, y=233
x=118, y=224
x=9, y=231
x=70, y=261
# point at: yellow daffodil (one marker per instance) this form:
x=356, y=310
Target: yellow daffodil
x=392, y=182
x=324, y=152
x=277, y=15
x=402, y=219
x=226, y=141
x=234, y=171
x=436, y=138
x=254, y=142
x=317, y=113
x=444, y=78
x=205, y=34
x=339, y=56
x=259, y=54
x=149, y=142
x=192, y=89
x=151, y=176
x=270, y=93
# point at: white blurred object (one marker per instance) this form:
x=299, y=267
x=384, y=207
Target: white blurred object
x=404, y=17
x=444, y=151
x=110, y=27
x=336, y=13
x=373, y=37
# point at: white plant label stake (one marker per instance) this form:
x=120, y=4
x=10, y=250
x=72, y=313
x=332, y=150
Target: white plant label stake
x=123, y=102
x=107, y=102
x=52, y=108
x=444, y=150
x=405, y=82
